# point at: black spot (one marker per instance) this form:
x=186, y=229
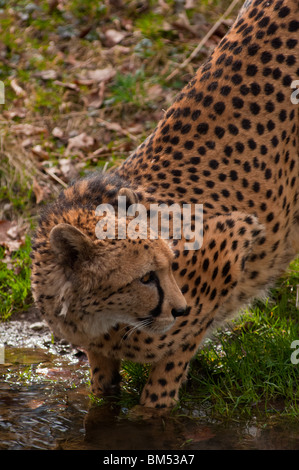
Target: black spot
x=177, y=155
x=266, y=56
x=264, y=22
x=293, y=26
x=251, y=70
x=233, y=129
x=202, y=128
x=246, y=124
x=177, y=125
x=233, y=175
x=226, y=269
x=188, y=145
x=273, y=27
x=219, y=107
x=185, y=129
x=208, y=100
x=256, y=187
x=225, y=90
x=254, y=108
x=253, y=49
x=169, y=366
x=283, y=12
x=238, y=103
x=236, y=79
x=219, y=131
x=195, y=115
x=276, y=43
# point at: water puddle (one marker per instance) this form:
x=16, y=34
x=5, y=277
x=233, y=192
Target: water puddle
x=45, y=403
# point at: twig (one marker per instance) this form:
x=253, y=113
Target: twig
x=203, y=41
x=55, y=177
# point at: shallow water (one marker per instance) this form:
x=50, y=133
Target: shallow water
x=45, y=404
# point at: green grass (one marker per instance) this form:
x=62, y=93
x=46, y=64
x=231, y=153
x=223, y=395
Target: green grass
x=15, y=289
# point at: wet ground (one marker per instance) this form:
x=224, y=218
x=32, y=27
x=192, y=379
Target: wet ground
x=45, y=404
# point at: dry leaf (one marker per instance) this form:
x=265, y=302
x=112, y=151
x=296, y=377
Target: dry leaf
x=71, y=86
x=17, y=89
x=10, y=236
x=26, y=142
x=38, y=191
x=136, y=128
x=154, y=92
x=100, y=75
x=48, y=74
x=114, y=126
x=95, y=99
x=28, y=129
x=68, y=169
x=57, y=132
x=17, y=112
x=189, y=4
x=40, y=153
x=81, y=141
x=113, y=37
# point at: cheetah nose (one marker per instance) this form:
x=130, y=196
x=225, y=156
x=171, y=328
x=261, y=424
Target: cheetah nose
x=178, y=312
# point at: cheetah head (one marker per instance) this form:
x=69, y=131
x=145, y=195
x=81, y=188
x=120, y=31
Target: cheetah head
x=98, y=284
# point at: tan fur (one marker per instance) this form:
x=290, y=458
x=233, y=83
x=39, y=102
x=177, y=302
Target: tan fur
x=230, y=141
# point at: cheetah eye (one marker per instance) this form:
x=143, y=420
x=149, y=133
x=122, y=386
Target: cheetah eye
x=148, y=277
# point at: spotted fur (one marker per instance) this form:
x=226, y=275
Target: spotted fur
x=230, y=141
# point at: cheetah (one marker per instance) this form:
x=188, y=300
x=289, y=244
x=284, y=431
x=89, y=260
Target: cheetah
x=229, y=142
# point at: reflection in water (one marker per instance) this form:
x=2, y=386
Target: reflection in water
x=45, y=404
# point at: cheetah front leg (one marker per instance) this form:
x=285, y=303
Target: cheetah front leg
x=105, y=376
x=164, y=382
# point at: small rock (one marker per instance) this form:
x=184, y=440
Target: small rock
x=37, y=326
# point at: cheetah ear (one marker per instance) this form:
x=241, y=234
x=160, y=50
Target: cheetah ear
x=70, y=244
x=131, y=196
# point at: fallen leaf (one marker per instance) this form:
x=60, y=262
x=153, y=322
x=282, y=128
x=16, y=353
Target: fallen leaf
x=38, y=191
x=189, y=4
x=154, y=92
x=28, y=129
x=95, y=99
x=17, y=89
x=10, y=235
x=40, y=152
x=68, y=169
x=17, y=112
x=136, y=128
x=71, y=86
x=26, y=142
x=100, y=75
x=81, y=141
x=48, y=74
x=114, y=126
x=57, y=132
x=113, y=37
